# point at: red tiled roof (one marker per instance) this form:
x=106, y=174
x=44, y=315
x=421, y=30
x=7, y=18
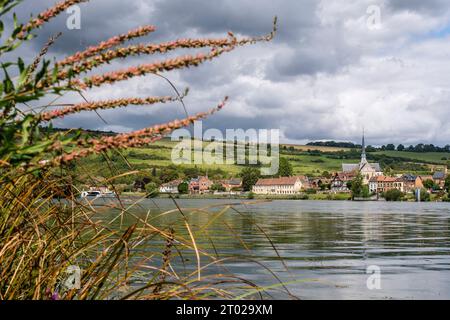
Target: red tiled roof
x=283, y=181
x=343, y=176
x=385, y=179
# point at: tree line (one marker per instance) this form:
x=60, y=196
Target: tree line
x=421, y=147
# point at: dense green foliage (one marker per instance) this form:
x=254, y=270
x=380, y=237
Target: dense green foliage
x=152, y=190
x=350, y=145
x=393, y=195
x=249, y=178
x=359, y=190
x=421, y=147
x=183, y=188
x=217, y=187
x=285, y=168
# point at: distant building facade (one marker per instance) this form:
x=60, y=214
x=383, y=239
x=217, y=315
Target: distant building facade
x=380, y=184
x=231, y=184
x=200, y=184
x=280, y=186
x=439, y=178
x=340, y=180
x=170, y=187
x=409, y=182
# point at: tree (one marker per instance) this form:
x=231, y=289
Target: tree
x=349, y=185
x=285, y=168
x=192, y=172
x=390, y=147
x=447, y=184
x=419, y=147
x=183, y=188
x=401, y=147
x=365, y=191
x=217, y=187
x=152, y=190
x=357, y=186
x=428, y=184
x=393, y=195
x=169, y=174
x=249, y=178
x=326, y=174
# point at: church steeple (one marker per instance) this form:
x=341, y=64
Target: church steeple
x=363, y=151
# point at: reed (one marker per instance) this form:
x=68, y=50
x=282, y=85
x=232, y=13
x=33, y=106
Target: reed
x=44, y=228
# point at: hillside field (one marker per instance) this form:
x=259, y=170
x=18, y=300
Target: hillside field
x=305, y=160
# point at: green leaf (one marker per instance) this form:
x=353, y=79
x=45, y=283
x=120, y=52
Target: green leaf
x=42, y=72
x=26, y=128
x=22, y=79
x=35, y=149
x=21, y=64
x=9, y=4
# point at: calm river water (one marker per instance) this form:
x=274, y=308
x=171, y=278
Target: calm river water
x=327, y=246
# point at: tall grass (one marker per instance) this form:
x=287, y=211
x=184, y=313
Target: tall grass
x=44, y=228
x=41, y=237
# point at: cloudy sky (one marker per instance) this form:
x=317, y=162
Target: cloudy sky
x=333, y=67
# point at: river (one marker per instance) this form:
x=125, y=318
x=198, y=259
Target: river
x=327, y=246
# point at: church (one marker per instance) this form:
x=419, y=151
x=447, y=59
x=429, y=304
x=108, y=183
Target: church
x=367, y=170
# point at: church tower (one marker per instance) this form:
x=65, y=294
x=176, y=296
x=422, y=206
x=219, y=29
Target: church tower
x=363, y=152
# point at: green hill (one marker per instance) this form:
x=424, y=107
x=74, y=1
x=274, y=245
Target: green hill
x=306, y=160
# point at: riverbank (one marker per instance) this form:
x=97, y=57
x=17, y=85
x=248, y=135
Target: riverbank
x=246, y=196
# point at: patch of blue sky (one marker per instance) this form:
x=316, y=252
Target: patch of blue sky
x=438, y=33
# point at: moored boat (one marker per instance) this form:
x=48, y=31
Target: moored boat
x=94, y=193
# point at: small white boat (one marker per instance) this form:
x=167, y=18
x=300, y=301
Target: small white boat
x=94, y=193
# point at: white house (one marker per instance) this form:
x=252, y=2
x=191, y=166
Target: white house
x=280, y=186
x=170, y=187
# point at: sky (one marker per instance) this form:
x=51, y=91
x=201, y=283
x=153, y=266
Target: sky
x=334, y=67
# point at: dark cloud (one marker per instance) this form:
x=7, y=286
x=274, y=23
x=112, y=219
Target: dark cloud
x=428, y=7
x=316, y=80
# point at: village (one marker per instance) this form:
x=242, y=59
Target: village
x=371, y=174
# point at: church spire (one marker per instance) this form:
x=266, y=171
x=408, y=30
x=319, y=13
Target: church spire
x=363, y=151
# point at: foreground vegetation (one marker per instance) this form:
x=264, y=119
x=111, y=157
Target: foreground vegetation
x=45, y=232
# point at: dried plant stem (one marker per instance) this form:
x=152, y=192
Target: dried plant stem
x=107, y=104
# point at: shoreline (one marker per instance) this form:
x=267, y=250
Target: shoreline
x=305, y=197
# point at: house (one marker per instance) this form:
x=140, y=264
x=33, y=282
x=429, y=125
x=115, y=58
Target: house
x=367, y=170
x=439, y=178
x=306, y=183
x=200, y=184
x=280, y=186
x=340, y=180
x=381, y=184
x=409, y=182
x=170, y=187
x=231, y=184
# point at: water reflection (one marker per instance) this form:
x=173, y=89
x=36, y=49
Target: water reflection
x=328, y=244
